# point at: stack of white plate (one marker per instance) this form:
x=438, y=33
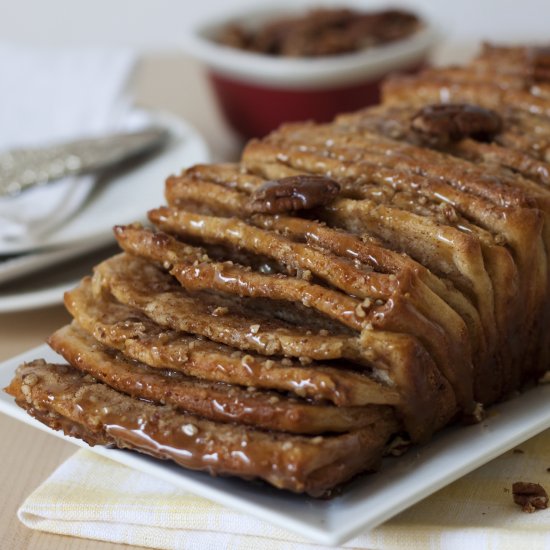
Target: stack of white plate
x=36, y=275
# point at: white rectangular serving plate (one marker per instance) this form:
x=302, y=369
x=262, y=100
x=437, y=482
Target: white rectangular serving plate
x=369, y=500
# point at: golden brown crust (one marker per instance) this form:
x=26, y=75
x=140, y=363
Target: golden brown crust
x=215, y=401
x=130, y=331
x=84, y=407
x=396, y=358
x=142, y=285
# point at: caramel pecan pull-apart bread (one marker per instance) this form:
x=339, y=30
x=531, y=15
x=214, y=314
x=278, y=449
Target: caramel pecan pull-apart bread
x=344, y=291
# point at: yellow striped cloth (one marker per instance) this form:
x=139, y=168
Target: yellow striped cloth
x=92, y=497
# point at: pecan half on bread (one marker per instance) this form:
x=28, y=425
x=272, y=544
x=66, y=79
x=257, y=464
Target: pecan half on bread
x=293, y=193
x=443, y=123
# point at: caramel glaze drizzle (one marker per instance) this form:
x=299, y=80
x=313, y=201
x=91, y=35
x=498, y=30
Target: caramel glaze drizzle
x=80, y=406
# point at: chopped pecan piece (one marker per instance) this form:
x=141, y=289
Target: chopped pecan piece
x=293, y=193
x=442, y=123
x=474, y=416
x=530, y=496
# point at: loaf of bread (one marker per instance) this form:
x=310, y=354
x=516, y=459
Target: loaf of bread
x=340, y=294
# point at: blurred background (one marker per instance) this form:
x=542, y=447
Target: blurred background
x=158, y=24
x=156, y=28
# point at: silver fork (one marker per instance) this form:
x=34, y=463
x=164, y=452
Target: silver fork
x=21, y=169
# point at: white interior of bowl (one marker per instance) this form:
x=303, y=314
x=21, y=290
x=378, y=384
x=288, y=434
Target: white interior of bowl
x=371, y=63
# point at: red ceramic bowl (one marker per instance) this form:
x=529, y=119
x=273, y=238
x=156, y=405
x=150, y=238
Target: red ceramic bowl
x=257, y=92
